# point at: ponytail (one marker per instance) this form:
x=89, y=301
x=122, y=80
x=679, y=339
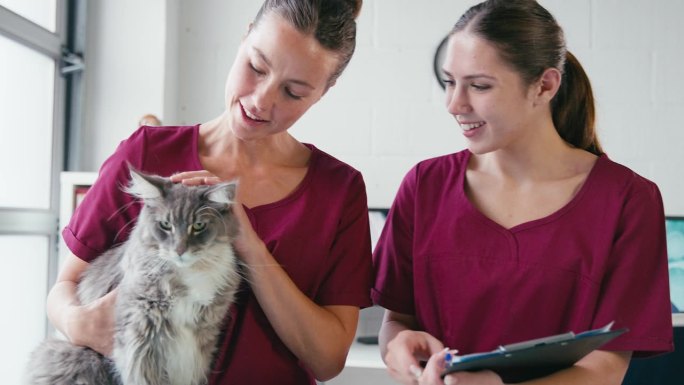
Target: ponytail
x=573, y=108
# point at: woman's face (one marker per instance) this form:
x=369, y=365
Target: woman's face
x=487, y=97
x=277, y=75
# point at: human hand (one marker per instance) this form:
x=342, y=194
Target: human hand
x=248, y=245
x=404, y=352
x=92, y=324
x=483, y=377
x=195, y=178
x=435, y=366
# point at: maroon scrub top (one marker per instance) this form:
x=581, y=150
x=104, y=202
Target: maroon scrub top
x=475, y=285
x=319, y=234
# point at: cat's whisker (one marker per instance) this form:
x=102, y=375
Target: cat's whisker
x=122, y=208
x=132, y=221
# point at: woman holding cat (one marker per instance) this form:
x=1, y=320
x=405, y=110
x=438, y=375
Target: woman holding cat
x=304, y=235
x=532, y=231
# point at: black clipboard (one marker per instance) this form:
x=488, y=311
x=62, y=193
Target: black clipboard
x=535, y=358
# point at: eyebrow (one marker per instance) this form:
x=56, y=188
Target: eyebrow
x=470, y=77
x=268, y=63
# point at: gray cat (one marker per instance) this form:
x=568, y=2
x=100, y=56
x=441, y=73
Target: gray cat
x=177, y=275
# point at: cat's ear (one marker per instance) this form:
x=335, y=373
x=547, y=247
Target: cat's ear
x=145, y=186
x=222, y=193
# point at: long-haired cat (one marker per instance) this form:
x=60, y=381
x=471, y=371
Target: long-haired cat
x=177, y=275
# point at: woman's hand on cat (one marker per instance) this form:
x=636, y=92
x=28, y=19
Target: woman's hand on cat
x=92, y=324
x=195, y=178
x=248, y=245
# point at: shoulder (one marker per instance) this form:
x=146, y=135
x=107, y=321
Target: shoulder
x=159, y=150
x=445, y=167
x=620, y=180
x=444, y=163
x=163, y=136
x=332, y=169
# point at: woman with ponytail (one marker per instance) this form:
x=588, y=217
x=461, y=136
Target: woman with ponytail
x=304, y=237
x=532, y=230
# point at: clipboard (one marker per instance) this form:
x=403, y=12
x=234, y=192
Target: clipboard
x=535, y=358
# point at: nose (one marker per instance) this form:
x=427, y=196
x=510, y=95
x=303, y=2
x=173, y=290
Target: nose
x=181, y=247
x=264, y=96
x=458, y=102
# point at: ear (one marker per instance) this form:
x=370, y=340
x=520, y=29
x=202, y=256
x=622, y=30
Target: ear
x=249, y=29
x=223, y=193
x=144, y=186
x=329, y=86
x=547, y=86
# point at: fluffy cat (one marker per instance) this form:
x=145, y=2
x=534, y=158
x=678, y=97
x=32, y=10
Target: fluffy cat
x=177, y=275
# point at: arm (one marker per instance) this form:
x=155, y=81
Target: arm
x=90, y=325
x=320, y=336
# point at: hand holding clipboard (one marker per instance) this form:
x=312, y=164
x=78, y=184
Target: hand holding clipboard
x=535, y=358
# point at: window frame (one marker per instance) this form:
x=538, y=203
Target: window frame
x=44, y=222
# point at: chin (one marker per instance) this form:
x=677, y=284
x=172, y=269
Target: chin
x=480, y=149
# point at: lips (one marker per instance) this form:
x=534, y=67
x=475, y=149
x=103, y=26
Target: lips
x=252, y=117
x=471, y=126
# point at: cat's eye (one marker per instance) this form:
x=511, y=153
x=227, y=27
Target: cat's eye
x=198, y=226
x=165, y=225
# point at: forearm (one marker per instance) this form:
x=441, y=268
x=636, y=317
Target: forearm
x=392, y=324
x=60, y=301
x=389, y=330
x=315, y=334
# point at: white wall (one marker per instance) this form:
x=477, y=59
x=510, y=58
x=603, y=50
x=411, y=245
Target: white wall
x=387, y=112
x=126, y=71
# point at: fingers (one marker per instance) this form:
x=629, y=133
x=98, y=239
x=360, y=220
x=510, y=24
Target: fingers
x=432, y=374
x=404, y=352
x=195, y=178
x=484, y=377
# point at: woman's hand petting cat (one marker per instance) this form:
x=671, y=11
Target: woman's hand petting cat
x=249, y=246
x=195, y=178
x=92, y=324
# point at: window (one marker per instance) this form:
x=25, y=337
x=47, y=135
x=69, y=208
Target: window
x=32, y=106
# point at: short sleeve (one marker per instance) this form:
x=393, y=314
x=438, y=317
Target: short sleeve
x=349, y=275
x=635, y=288
x=107, y=214
x=392, y=259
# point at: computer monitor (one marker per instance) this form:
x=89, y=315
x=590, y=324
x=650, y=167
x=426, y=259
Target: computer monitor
x=674, y=227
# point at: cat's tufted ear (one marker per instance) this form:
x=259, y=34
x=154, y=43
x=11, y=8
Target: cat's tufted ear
x=222, y=193
x=145, y=186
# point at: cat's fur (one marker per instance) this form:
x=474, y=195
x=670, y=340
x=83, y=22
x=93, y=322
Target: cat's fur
x=177, y=275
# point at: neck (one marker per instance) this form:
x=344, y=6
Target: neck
x=219, y=145
x=540, y=155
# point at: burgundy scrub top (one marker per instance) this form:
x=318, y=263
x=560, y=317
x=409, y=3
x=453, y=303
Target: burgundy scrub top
x=475, y=285
x=319, y=234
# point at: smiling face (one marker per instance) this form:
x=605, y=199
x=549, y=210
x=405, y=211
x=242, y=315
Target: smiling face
x=492, y=105
x=277, y=75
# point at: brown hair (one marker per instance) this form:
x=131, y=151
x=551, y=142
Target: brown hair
x=530, y=40
x=331, y=22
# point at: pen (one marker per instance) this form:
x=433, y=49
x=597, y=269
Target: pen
x=451, y=356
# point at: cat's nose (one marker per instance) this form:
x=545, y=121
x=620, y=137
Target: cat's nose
x=181, y=249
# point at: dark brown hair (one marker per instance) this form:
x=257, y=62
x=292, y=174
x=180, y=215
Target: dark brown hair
x=331, y=22
x=530, y=40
